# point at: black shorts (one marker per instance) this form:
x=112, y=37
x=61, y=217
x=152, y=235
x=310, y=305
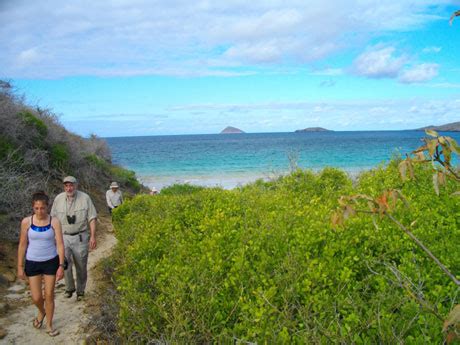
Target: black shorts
x=48, y=267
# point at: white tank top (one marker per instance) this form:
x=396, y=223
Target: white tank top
x=42, y=242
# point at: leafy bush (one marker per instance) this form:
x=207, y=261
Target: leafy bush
x=6, y=148
x=181, y=189
x=36, y=151
x=33, y=122
x=60, y=156
x=97, y=161
x=263, y=264
x=124, y=176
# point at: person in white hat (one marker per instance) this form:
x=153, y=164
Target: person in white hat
x=78, y=216
x=113, y=196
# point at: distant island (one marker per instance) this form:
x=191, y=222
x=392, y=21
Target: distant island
x=231, y=130
x=448, y=127
x=313, y=129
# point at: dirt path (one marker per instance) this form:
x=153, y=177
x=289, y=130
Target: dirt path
x=70, y=317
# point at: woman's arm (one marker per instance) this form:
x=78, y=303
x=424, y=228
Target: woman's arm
x=60, y=247
x=23, y=242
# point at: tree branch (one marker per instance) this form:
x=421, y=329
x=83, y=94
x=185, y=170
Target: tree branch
x=425, y=249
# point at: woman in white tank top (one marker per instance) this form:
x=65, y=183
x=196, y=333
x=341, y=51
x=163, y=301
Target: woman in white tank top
x=41, y=244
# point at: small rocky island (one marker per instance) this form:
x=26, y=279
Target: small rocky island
x=231, y=130
x=448, y=127
x=313, y=129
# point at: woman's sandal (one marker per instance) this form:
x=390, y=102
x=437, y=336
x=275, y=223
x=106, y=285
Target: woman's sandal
x=38, y=323
x=52, y=332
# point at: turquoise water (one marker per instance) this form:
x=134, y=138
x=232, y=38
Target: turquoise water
x=232, y=159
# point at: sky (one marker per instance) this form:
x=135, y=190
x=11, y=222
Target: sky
x=145, y=67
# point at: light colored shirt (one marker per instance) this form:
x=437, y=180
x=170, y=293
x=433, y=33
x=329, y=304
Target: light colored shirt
x=81, y=207
x=41, y=243
x=114, y=199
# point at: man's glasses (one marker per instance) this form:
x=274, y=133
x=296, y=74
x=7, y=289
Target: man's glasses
x=71, y=219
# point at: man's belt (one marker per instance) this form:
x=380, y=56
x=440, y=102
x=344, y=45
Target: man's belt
x=77, y=233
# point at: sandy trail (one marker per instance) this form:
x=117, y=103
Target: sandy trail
x=70, y=318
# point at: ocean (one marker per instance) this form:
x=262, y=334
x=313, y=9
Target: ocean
x=229, y=160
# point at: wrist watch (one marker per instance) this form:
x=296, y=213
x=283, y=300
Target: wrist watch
x=61, y=265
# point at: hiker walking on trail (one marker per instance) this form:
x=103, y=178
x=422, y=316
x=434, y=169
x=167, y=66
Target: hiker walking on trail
x=113, y=197
x=42, y=245
x=77, y=214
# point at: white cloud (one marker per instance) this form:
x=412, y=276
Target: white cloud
x=340, y=115
x=280, y=117
x=261, y=25
x=28, y=57
x=432, y=49
x=260, y=52
x=420, y=73
x=179, y=37
x=379, y=110
x=379, y=62
x=383, y=62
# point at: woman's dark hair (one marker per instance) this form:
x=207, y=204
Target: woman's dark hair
x=40, y=196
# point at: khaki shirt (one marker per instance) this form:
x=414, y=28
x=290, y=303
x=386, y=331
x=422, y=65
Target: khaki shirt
x=113, y=199
x=82, y=207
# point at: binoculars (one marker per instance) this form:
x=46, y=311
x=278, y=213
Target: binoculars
x=71, y=219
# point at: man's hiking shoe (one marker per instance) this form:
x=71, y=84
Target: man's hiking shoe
x=69, y=294
x=80, y=296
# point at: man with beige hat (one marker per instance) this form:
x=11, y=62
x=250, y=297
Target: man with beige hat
x=77, y=215
x=113, y=197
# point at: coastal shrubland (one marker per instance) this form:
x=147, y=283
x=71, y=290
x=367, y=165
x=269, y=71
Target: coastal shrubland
x=263, y=263
x=36, y=152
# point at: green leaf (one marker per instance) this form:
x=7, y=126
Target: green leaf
x=455, y=14
x=420, y=149
x=453, y=319
x=349, y=211
x=447, y=155
x=453, y=145
x=401, y=197
x=374, y=221
x=432, y=144
x=402, y=167
x=420, y=156
x=431, y=132
x=435, y=183
x=441, y=178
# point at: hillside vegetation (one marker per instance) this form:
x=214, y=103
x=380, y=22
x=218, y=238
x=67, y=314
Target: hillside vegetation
x=36, y=152
x=448, y=127
x=262, y=263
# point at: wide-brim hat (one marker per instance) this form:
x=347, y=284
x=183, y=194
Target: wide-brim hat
x=114, y=185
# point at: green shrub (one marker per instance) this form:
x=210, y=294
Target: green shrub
x=97, y=161
x=262, y=264
x=59, y=156
x=181, y=189
x=34, y=122
x=36, y=150
x=125, y=176
x=117, y=173
x=6, y=148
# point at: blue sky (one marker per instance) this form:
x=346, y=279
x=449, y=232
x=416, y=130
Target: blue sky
x=139, y=67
